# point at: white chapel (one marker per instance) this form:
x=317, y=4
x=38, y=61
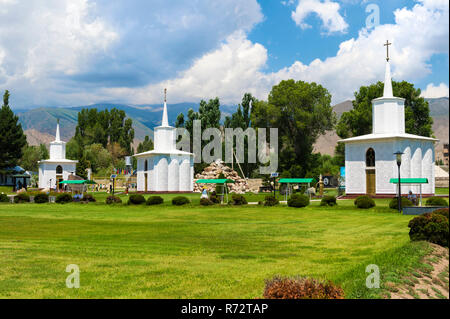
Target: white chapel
x=165, y=169
x=57, y=168
x=370, y=162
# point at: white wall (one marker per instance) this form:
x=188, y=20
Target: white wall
x=47, y=173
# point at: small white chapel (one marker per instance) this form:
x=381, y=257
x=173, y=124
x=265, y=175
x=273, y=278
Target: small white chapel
x=57, y=168
x=370, y=162
x=165, y=169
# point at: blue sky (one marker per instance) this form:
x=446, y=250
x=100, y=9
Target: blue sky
x=77, y=52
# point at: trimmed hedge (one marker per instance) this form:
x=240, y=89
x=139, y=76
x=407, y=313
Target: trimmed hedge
x=271, y=200
x=432, y=227
x=441, y=211
x=237, y=199
x=298, y=200
x=328, y=200
x=155, y=200
x=214, y=198
x=22, y=198
x=405, y=203
x=63, y=198
x=180, y=200
x=364, y=202
x=41, y=198
x=436, y=201
x=206, y=202
x=89, y=198
x=136, y=199
x=4, y=198
x=113, y=200
x=301, y=288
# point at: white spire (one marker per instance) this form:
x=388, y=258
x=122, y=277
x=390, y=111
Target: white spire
x=57, y=137
x=387, y=81
x=165, y=119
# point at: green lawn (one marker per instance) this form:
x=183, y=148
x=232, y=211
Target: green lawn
x=194, y=252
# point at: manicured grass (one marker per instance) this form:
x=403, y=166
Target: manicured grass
x=192, y=251
x=6, y=189
x=441, y=191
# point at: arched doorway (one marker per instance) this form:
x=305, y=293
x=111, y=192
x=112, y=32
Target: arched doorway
x=59, y=176
x=370, y=172
x=146, y=175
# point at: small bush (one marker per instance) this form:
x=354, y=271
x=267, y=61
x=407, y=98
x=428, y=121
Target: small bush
x=180, y=200
x=41, y=198
x=155, y=200
x=206, y=202
x=63, y=198
x=22, y=198
x=214, y=198
x=436, y=201
x=301, y=288
x=237, y=199
x=364, y=202
x=271, y=200
x=432, y=227
x=405, y=203
x=4, y=198
x=113, y=200
x=441, y=211
x=136, y=199
x=298, y=200
x=328, y=200
x=89, y=198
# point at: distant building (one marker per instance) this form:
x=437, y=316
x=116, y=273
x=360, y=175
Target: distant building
x=16, y=177
x=57, y=168
x=445, y=154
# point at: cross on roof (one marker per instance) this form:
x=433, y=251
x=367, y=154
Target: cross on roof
x=387, y=44
x=165, y=95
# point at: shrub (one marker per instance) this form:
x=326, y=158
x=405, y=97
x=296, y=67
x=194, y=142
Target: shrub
x=22, y=198
x=214, y=198
x=436, y=201
x=301, y=288
x=237, y=199
x=89, y=198
x=364, y=202
x=41, y=198
x=180, y=200
x=405, y=203
x=298, y=200
x=113, y=200
x=271, y=200
x=328, y=200
x=4, y=198
x=155, y=200
x=136, y=199
x=63, y=198
x=441, y=211
x=206, y=202
x=432, y=227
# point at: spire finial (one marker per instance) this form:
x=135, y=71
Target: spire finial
x=165, y=118
x=387, y=44
x=165, y=95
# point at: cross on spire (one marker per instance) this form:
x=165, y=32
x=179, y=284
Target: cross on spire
x=387, y=44
x=165, y=95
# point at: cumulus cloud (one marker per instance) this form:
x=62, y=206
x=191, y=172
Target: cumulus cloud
x=327, y=11
x=433, y=91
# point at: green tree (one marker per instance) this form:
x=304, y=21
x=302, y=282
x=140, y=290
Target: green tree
x=12, y=138
x=146, y=145
x=180, y=120
x=31, y=155
x=98, y=157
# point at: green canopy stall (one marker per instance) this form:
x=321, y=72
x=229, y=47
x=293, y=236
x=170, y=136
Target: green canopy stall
x=222, y=181
x=78, y=182
x=289, y=181
x=411, y=181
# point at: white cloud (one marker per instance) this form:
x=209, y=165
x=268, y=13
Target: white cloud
x=327, y=11
x=433, y=91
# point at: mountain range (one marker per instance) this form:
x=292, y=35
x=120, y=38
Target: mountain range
x=39, y=124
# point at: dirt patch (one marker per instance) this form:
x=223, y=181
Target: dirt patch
x=429, y=282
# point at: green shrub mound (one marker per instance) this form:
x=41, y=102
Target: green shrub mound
x=113, y=200
x=206, y=202
x=4, y=198
x=136, y=199
x=432, y=227
x=41, y=198
x=155, y=200
x=364, y=202
x=405, y=203
x=89, y=198
x=441, y=211
x=22, y=198
x=214, y=198
x=237, y=199
x=180, y=200
x=328, y=200
x=271, y=200
x=436, y=201
x=63, y=198
x=298, y=200
x=301, y=288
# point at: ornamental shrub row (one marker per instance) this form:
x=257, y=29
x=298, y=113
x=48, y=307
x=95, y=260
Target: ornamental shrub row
x=432, y=227
x=298, y=200
x=436, y=201
x=405, y=203
x=364, y=202
x=301, y=288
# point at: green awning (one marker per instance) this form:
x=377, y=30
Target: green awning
x=296, y=180
x=78, y=182
x=409, y=181
x=214, y=181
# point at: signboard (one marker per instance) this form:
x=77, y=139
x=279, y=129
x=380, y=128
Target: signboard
x=113, y=176
x=274, y=175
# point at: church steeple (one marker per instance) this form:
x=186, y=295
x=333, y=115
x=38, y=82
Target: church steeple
x=387, y=92
x=165, y=119
x=57, y=136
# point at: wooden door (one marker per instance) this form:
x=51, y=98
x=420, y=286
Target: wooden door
x=146, y=182
x=370, y=182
